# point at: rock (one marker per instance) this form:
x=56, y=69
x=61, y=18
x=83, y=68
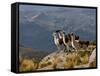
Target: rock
x=65, y=60
x=82, y=66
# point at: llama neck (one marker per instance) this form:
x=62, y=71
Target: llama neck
x=72, y=38
x=55, y=38
x=72, y=41
x=60, y=36
x=63, y=38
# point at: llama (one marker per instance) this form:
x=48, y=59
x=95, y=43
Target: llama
x=66, y=41
x=75, y=44
x=84, y=44
x=70, y=41
x=59, y=33
x=58, y=42
x=76, y=38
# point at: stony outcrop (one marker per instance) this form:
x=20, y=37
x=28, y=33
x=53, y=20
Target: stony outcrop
x=65, y=60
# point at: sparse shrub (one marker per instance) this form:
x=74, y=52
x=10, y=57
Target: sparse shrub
x=68, y=65
x=27, y=65
x=65, y=60
x=84, y=59
x=49, y=63
x=72, y=60
x=43, y=64
x=93, y=43
x=54, y=66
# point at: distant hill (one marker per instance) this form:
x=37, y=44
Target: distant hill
x=37, y=25
x=30, y=53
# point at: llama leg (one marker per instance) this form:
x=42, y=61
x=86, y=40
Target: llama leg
x=58, y=47
x=64, y=48
x=67, y=48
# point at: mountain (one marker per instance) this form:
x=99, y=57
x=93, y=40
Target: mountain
x=37, y=25
x=30, y=53
x=36, y=37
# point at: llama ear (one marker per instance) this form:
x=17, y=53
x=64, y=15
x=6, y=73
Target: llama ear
x=71, y=33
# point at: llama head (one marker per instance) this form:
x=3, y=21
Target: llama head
x=62, y=32
x=72, y=35
x=57, y=31
x=69, y=37
x=76, y=37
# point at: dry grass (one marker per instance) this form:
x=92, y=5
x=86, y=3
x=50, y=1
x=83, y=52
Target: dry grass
x=70, y=60
x=27, y=65
x=81, y=57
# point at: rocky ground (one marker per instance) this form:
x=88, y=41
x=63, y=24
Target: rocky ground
x=60, y=60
